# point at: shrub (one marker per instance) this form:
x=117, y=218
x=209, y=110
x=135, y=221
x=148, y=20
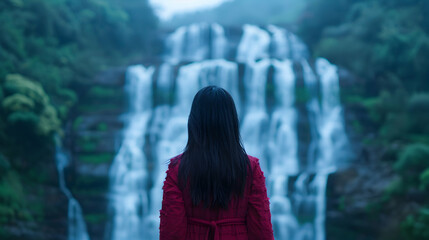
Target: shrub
x=415, y=227
x=424, y=180
x=11, y=198
x=26, y=104
x=413, y=160
x=4, y=165
x=16, y=83
x=18, y=102
x=418, y=108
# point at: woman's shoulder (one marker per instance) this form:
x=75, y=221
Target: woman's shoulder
x=176, y=160
x=173, y=164
x=254, y=161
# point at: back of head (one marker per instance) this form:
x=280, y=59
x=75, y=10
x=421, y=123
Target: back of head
x=214, y=164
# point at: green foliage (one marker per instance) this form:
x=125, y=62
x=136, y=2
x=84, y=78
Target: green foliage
x=12, y=198
x=77, y=122
x=342, y=49
x=342, y=203
x=388, y=114
x=48, y=121
x=102, y=127
x=424, y=180
x=98, y=158
x=61, y=44
x=22, y=123
x=17, y=84
x=386, y=44
x=412, y=161
x=320, y=14
x=396, y=187
x=87, y=144
x=27, y=109
x=58, y=45
x=415, y=227
x=105, y=93
x=18, y=102
x=4, y=165
x=418, y=108
x=96, y=218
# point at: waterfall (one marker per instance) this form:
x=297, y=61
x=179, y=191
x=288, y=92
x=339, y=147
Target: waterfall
x=265, y=61
x=254, y=44
x=256, y=117
x=128, y=173
x=283, y=136
x=280, y=42
x=313, y=109
x=219, y=42
x=333, y=138
x=194, y=43
x=282, y=149
x=76, y=223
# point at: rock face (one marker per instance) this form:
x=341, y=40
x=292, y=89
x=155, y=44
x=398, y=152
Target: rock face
x=351, y=193
x=92, y=138
x=355, y=193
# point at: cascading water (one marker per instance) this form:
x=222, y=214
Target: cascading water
x=296, y=185
x=282, y=149
x=254, y=44
x=76, y=223
x=255, y=117
x=128, y=173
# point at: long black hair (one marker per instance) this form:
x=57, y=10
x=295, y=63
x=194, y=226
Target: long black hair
x=214, y=164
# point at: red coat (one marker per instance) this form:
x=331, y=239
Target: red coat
x=247, y=218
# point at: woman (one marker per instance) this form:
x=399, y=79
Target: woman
x=214, y=190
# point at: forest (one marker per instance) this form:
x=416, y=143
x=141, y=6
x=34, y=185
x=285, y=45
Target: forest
x=50, y=50
x=386, y=44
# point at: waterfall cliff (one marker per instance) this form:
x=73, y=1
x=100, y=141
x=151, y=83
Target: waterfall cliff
x=267, y=71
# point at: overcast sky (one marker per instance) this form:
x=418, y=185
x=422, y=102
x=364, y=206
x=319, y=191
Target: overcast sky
x=167, y=8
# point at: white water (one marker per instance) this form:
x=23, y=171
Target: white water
x=283, y=144
x=255, y=116
x=76, y=223
x=333, y=139
x=296, y=185
x=280, y=42
x=192, y=43
x=219, y=42
x=282, y=149
x=329, y=141
x=286, y=44
x=253, y=45
x=128, y=173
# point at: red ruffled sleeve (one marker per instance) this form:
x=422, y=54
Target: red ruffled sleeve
x=173, y=215
x=259, y=225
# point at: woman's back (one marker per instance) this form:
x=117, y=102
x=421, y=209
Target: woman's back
x=247, y=217
x=214, y=190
